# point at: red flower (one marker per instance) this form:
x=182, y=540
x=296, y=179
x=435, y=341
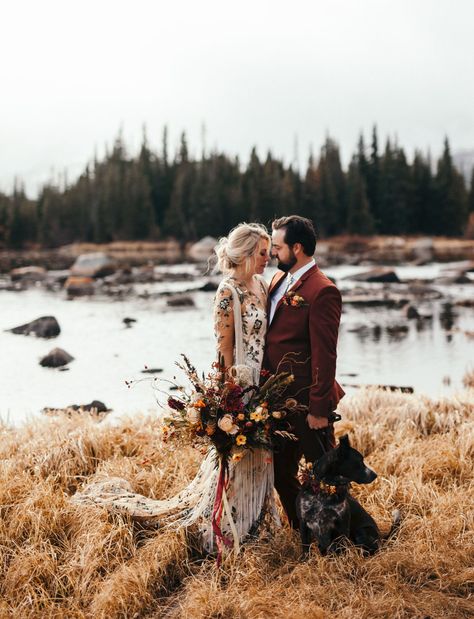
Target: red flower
x=175, y=404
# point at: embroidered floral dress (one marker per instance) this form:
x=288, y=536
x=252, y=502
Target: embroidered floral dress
x=240, y=323
x=253, y=321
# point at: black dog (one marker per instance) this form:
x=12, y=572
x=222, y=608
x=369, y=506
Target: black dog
x=326, y=510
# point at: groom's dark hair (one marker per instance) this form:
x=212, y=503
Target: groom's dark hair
x=297, y=230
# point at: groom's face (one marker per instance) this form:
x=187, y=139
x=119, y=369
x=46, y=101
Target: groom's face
x=282, y=252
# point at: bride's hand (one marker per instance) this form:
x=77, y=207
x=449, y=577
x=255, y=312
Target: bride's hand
x=317, y=423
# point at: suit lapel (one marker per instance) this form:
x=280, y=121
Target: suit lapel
x=274, y=285
x=296, y=285
x=276, y=281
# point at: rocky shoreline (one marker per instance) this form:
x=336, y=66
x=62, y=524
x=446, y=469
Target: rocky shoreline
x=336, y=250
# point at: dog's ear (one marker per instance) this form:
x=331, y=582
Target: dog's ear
x=344, y=442
x=322, y=466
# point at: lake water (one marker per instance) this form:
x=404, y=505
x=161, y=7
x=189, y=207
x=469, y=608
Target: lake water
x=431, y=356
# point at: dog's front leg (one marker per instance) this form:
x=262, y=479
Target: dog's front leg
x=305, y=534
x=324, y=541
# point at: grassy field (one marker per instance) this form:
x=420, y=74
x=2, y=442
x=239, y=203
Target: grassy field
x=61, y=560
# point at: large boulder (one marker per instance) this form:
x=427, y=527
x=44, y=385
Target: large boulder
x=46, y=326
x=56, y=358
x=379, y=275
x=94, y=264
x=423, y=250
x=180, y=301
x=203, y=249
x=28, y=274
x=79, y=286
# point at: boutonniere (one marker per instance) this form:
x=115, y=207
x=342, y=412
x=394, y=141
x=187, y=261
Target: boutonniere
x=294, y=300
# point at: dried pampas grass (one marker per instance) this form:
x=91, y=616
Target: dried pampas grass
x=62, y=560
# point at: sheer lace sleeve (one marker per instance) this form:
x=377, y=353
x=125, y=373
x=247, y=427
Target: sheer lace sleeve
x=224, y=324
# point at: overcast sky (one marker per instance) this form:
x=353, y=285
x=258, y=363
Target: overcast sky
x=254, y=73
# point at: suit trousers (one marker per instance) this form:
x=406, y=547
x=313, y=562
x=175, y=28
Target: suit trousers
x=311, y=444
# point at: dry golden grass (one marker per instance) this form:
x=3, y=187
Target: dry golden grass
x=62, y=560
x=468, y=379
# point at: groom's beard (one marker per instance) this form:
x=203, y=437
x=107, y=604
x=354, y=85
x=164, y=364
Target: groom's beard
x=286, y=266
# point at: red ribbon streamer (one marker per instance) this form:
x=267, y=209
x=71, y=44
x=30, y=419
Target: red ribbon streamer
x=222, y=540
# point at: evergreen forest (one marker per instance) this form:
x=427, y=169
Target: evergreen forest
x=153, y=195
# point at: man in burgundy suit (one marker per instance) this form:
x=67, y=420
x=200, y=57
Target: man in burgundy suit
x=304, y=310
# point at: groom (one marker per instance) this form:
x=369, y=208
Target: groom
x=304, y=310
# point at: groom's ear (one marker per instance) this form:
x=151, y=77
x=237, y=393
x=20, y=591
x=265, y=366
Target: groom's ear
x=297, y=248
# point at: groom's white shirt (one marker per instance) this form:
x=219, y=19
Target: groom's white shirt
x=291, y=279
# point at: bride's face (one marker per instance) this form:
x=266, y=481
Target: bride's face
x=262, y=256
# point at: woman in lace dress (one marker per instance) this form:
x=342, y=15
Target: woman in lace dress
x=240, y=321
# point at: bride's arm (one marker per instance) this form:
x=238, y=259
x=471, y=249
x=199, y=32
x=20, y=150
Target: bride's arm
x=224, y=325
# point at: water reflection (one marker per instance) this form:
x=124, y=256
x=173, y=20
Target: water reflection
x=424, y=323
x=376, y=333
x=447, y=319
x=384, y=326
x=397, y=333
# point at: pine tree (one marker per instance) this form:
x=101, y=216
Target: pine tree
x=373, y=177
x=270, y=203
x=394, y=191
x=311, y=192
x=179, y=220
x=332, y=214
x=422, y=196
x=359, y=217
x=471, y=193
x=450, y=197
x=252, y=187
x=4, y=216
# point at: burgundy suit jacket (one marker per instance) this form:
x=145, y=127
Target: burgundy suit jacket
x=303, y=340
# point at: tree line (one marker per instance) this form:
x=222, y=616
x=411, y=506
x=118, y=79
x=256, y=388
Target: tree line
x=153, y=196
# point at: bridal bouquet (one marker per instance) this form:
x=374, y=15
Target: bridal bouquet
x=227, y=410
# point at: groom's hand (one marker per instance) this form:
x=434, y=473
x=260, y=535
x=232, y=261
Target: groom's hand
x=317, y=423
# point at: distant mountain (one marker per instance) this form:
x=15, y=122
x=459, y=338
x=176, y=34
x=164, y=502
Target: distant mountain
x=464, y=161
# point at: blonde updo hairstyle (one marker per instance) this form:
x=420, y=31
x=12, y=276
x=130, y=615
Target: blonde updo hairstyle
x=239, y=248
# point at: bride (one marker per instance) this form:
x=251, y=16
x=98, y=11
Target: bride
x=240, y=321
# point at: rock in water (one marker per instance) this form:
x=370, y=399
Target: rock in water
x=203, y=249
x=79, y=286
x=180, y=301
x=209, y=286
x=96, y=407
x=94, y=264
x=411, y=312
x=151, y=370
x=56, y=358
x=381, y=275
x=46, y=326
x=29, y=273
